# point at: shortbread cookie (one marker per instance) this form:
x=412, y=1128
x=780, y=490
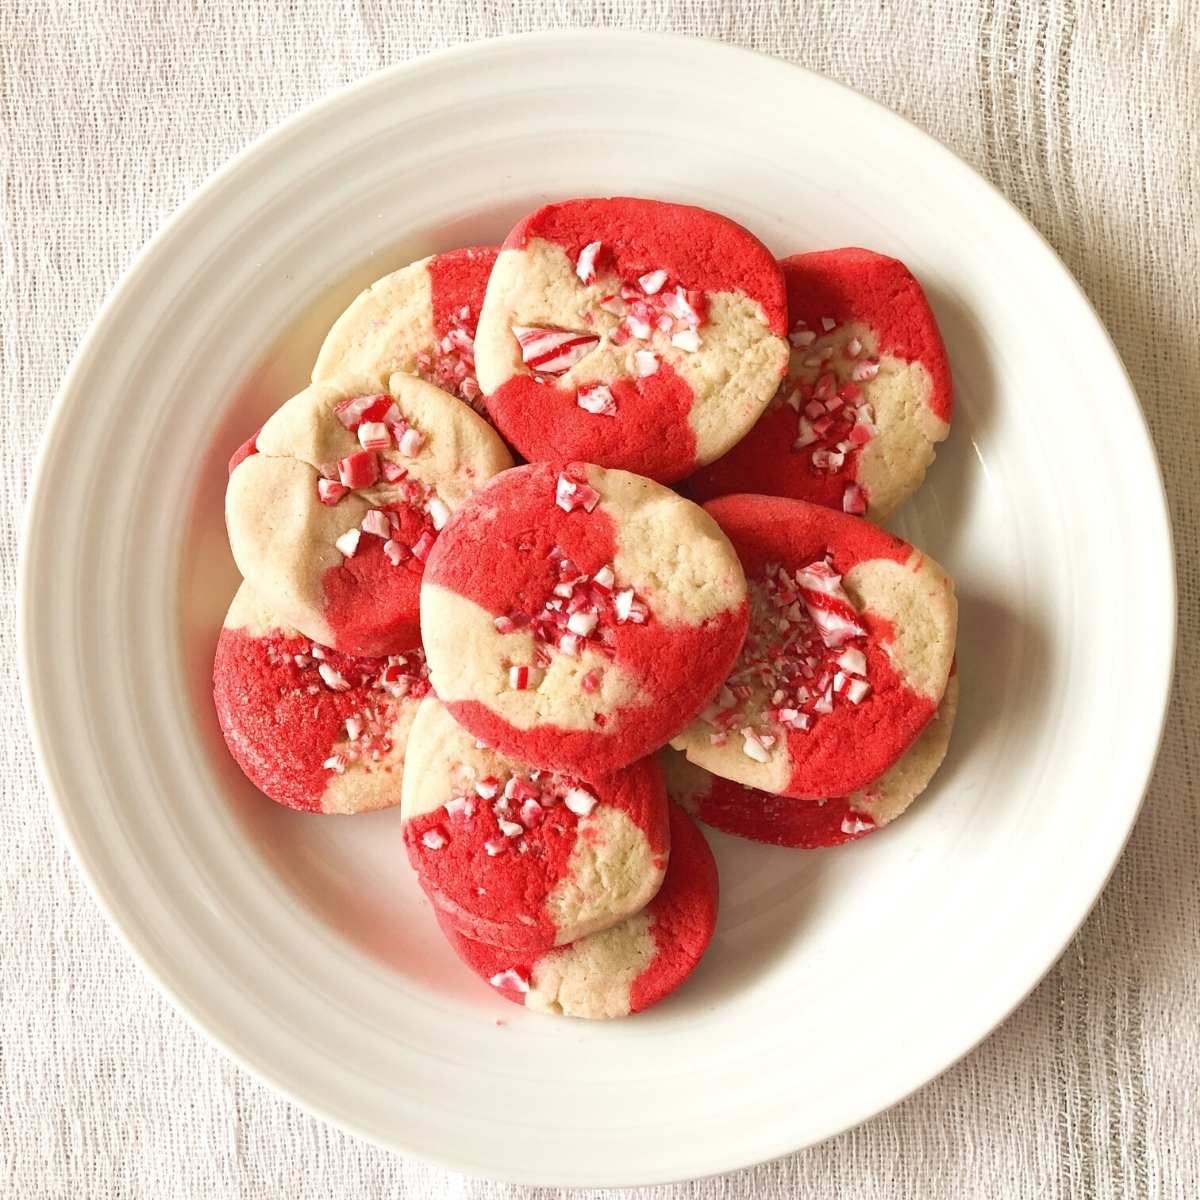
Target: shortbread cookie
x=524, y=858
x=419, y=320
x=630, y=333
x=622, y=970
x=851, y=639
x=313, y=729
x=867, y=398
x=807, y=824
x=577, y=618
x=332, y=517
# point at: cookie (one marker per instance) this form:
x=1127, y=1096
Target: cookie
x=624, y=969
x=632, y=334
x=577, y=618
x=419, y=320
x=851, y=639
x=808, y=824
x=332, y=517
x=311, y=728
x=867, y=398
x=523, y=858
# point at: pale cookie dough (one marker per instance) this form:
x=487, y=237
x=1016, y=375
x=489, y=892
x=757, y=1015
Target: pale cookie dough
x=630, y=333
x=808, y=824
x=578, y=618
x=867, y=398
x=311, y=728
x=419, y=320
x=625, y=969
x=852, y=635
x=523, y=858
x=333, y=514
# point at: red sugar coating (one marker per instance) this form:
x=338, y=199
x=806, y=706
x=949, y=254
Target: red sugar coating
x=501, y=897
x=650, y=434
x=700, y=251
x=371, y=606
x=281, y=720
x=496, y=552
x=697, y=248
x=855, y=743
x=843, y=285
x=779, y=820
x=682, y=918
x=458, y=280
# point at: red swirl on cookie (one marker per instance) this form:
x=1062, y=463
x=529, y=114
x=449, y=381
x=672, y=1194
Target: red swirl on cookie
x=419, y=320
x=525, y=858
x=808, y=824
x=851, y=640
x=867, y=398
x=622, y=970
x=312, y=728
x=577, y=618
x=630, y=333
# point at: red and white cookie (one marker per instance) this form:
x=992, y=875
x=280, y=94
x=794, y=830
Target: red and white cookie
x=419, y=320
x=622, y=970
x=577, y=618
x=808, y=824
x=311, y=728
x=851, y=639
x=632, y=334
x=524, y=858
x=332, y=517
x=867, y=398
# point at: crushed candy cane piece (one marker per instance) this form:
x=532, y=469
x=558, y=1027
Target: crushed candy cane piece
x=376, y=522
x=597, y=398
x=347, y=544
x=521, y=679
x=422, y=546
x=854, y=500
x=552, y=351
x=511, y=978
x=334, y=679
x=410, y=442
x=585, y=264
x=329, y=491
x=439, y=514
x=571, y=494
x=754, y=747
x=374, y=435
x=434, y=838
x=580, y=801
x=855, y=825
x=645, y=363
x=359, y=470
x=652, y=282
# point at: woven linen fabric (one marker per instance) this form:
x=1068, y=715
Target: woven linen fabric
x=1085, y=114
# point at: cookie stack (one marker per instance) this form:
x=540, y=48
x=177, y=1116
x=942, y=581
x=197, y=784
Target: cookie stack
x=571, y=539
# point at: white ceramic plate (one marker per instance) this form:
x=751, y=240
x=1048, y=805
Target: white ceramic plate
x=838, y=981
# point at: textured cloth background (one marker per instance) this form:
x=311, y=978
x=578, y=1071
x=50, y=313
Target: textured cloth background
x=1085, y=114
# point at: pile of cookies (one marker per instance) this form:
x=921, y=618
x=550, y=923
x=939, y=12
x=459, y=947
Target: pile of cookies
x=572, y=541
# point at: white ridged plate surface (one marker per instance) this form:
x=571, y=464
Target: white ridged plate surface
x=838, y=981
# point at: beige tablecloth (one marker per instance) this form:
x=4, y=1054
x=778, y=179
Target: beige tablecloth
x=1085, y=114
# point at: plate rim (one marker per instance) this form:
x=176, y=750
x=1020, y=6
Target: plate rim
x=67, y=395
